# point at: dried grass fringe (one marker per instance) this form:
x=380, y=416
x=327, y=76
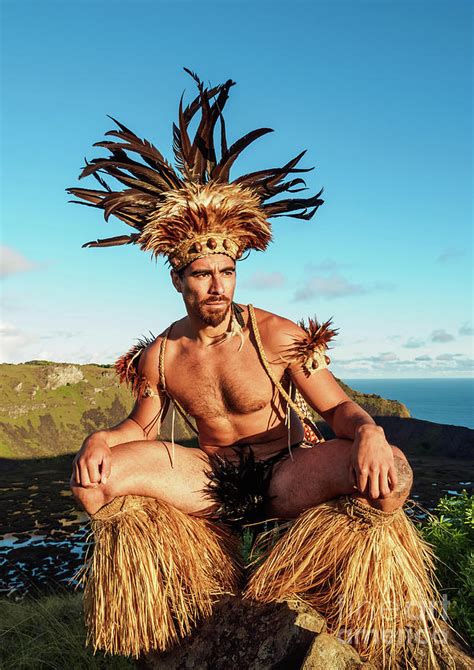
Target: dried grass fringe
x=368, y=572
x=154, y=572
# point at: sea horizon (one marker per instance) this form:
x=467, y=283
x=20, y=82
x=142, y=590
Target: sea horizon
x=446, y=400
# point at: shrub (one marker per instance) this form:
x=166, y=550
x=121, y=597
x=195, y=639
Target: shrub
x=451, y=532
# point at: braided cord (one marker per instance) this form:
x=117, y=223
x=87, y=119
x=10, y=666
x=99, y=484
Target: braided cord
x=162, y=381
x=271, y=374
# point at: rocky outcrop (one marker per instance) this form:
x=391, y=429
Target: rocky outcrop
x=280, y=636
x=64, y=375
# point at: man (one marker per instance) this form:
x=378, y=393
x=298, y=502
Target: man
x=230, y=396
x=160, y=511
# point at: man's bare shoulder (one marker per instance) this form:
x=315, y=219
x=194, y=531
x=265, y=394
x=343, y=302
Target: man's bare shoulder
x=277, y=332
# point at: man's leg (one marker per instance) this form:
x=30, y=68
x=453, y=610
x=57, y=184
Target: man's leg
x=363, y=566
x=318, y=474
x=156, y=567
x=145, y=468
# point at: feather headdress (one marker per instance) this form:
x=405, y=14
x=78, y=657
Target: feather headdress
x=196, y=210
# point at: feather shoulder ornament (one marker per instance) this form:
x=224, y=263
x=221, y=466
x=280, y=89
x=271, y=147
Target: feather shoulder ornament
x=126, y=367
x=195, y=210
x=309, y=349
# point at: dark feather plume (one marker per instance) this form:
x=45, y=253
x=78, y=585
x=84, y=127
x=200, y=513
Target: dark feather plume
x=239, y=488
x=148, y=181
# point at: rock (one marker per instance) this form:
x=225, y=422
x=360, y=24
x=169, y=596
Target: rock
x=451, y=653
x=245, y=634
x=282, y=636
x=329, y=653
x=62, y=375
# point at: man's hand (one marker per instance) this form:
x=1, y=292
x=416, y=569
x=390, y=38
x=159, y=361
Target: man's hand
x=372, y=468
x=92, y=464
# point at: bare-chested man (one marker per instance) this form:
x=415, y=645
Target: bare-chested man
x=233, y=402
x=228, y=366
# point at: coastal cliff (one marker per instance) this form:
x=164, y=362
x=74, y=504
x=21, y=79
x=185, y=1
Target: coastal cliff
x=48, y=409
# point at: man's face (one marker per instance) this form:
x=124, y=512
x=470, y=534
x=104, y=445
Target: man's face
x=207, y=286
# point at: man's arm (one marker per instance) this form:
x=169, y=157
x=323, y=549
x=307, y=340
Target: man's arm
x=92, y=465
x=372, y=466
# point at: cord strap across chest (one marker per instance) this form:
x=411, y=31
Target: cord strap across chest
x=268, y=369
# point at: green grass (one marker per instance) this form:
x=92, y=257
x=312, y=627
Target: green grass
x=49, y=633
x=451, y=532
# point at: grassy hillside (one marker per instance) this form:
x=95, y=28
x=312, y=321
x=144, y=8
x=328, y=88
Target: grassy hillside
x=48, y=409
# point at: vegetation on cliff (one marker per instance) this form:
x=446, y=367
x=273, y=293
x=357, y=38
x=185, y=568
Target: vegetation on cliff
x=451, y=532
x=49, y=408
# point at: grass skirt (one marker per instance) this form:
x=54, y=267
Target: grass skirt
x=368, y=572
x=153, y=573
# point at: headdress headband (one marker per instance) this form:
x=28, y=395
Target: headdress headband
x=199, y=211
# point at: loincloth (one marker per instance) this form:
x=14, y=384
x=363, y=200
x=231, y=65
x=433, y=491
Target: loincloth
x=240, y=488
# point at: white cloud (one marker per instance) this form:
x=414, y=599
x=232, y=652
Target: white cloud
x=450, y=254
x=12, y=262
x=13, y=343
x=466, y=329
x=263, y=281
x=413, y=343
x=383, y=286
x=388, y=364
x=441, y=336
x=334, y=286
x=327, y=265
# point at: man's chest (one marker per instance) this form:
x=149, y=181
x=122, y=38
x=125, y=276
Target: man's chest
x=219, y=382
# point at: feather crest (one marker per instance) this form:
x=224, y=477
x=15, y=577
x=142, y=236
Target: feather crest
x=168, y=208
x=312, y=344
x=126, y=367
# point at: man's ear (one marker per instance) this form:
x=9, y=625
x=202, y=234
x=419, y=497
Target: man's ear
x=176, y=279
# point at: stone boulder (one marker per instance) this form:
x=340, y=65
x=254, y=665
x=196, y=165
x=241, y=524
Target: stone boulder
x=279, y=636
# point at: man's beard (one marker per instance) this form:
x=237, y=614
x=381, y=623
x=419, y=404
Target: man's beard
x=213, y=318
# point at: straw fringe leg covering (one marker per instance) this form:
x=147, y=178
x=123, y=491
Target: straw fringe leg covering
x=153, y=573
x=368, y=572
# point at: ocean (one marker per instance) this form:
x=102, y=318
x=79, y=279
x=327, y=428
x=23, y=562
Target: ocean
x=449, y=401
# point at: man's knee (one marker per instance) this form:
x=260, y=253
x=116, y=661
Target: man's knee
x=400, y=492
x=404, y=473
x=91, y=499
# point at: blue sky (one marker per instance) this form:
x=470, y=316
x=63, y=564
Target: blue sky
x=380, y=95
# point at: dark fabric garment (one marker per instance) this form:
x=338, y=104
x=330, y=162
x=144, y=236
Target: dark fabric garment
x=241, y=488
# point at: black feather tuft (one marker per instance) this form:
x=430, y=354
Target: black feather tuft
x=240, y=487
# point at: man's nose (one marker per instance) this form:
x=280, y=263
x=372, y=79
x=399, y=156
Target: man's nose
x=217, y=287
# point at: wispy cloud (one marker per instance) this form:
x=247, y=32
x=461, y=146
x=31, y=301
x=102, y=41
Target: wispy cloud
x=13, y=342
x=264, y=281
x=13, y=262
x=334, y=286
x=389, y=364
x=382, y=286
x=441, y=335
x=326, y=265
x=449, y=255
x=448, y=357
x=413, y=343
x=466, y=329
x=59, y=335
x=383, y=357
